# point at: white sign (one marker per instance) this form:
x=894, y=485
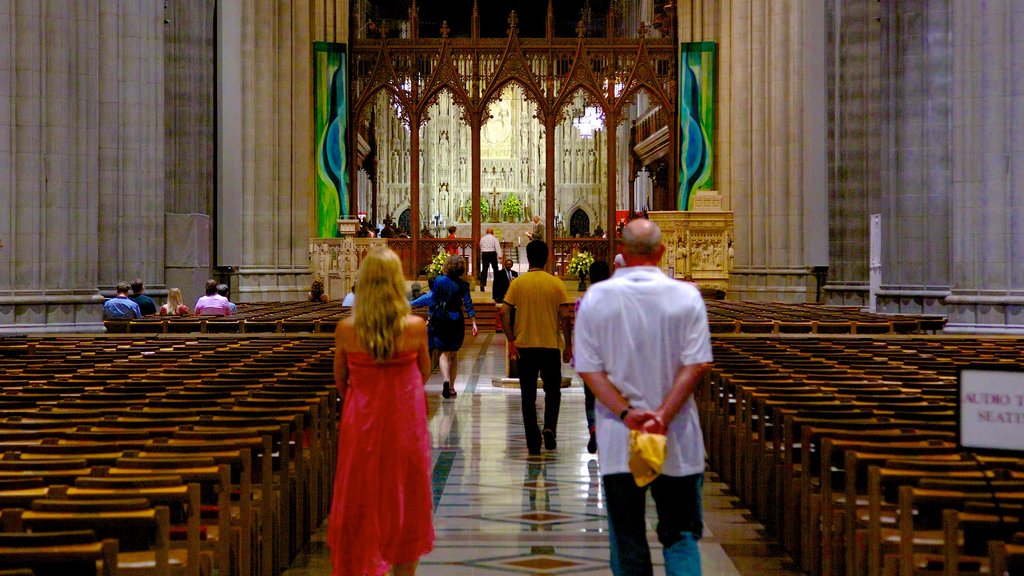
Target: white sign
x=992, y=409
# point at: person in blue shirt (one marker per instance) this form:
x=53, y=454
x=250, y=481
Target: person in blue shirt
x=446, y=325
x=222, y=291
x=121, y=307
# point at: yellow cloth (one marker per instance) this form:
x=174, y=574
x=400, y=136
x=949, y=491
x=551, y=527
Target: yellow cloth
x=646, y=456
x=537, y=296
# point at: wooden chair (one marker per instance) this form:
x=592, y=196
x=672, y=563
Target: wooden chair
x=240, y=463
x=920, y=516
x=275, y=473
x=1006, y=559
x=821, y=451
x=967, y=536
x=182, y=500
x=65, y=553
x=885, y=484
x=214, y=481
x=142, y=532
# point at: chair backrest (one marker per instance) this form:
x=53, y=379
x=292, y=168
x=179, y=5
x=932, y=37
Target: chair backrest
x=182, y=500
x=64, y=553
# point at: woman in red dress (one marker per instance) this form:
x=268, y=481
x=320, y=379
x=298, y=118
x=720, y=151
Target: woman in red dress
x=451, y=248
x=381, y=514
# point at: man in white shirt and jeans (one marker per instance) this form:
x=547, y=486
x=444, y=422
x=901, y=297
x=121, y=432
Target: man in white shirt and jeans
x=490, y=251
x=641, y=344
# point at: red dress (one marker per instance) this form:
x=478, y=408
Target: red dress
x=383, y=503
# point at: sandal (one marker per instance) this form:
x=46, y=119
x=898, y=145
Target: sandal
x=448, y=392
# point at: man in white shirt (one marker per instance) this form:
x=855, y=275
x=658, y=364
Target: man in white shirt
x=641, y=344
x=490, y=251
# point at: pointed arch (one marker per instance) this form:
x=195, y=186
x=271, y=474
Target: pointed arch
x=445, y=76
x=383, y=76
x=580, y=77
x=643, y=76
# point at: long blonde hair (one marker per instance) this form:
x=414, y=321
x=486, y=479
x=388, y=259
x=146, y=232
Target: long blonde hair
x=173, y=300
x=381, y=307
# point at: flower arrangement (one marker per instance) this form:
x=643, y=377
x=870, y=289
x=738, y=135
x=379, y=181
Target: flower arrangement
x=511, y=209
x=485, y=210
x=580, y=263
x=436, y=265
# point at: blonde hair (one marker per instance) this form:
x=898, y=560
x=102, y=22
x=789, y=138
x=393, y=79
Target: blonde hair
x=381, y=307
x=173, y=300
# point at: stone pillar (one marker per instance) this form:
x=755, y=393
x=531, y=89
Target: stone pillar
x=264, y=219
x=131, y=142
x=772, y=182
x=987, y=168
x=916, y=67
x=48, y=156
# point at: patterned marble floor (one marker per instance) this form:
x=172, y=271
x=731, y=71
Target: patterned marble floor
x=499, y=512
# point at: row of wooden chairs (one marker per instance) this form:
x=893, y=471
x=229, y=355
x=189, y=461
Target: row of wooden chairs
x=253, y=422
x=806, y=318
x=821, y=437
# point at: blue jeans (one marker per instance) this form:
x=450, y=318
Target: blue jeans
x=680, y=523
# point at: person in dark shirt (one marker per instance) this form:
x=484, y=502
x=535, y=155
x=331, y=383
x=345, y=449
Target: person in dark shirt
x=146, y=304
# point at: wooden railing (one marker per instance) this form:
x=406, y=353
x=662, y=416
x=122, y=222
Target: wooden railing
x=430, y=246
x=565, y=248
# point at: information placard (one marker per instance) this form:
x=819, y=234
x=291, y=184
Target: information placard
x=991, y=409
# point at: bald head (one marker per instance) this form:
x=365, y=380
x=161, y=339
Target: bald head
x=641, y=243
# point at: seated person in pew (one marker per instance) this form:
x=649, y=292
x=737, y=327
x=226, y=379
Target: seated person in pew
x=222, y=291
x=146, y=304
x=212, y=304
x=174, y=306
x=121, y=307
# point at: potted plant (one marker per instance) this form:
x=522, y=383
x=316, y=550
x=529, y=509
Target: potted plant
x=579, y=265
x=511, y=208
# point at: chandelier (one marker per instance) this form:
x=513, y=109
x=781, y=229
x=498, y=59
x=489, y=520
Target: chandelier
x=588, y=120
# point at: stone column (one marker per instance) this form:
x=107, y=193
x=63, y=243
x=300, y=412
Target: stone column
x=264, y=222
x=915, y=69
x=48, y=158
x=131, y=142
x=773, y=183
x=987, y=167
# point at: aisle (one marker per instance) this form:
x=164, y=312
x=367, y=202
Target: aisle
x=499, y=512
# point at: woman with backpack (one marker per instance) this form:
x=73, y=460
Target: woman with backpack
x=446, y=325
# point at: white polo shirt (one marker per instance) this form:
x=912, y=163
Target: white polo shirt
x=640, y=327
x=489, y=243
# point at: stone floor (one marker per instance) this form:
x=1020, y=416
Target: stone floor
x=499, y=512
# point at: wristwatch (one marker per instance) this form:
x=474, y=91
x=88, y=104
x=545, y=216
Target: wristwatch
x=624, y=413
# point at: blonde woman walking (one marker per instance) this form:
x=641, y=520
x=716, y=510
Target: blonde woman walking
x=382, y=506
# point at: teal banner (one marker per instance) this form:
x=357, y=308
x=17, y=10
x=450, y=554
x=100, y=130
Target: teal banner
x=696, y=120
x=330, y=118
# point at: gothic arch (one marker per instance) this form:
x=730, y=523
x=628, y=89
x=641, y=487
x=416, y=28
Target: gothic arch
x=494, y=93
x=366, y=102
x=655, y=93
x=445, y=76
x=590, y=211
x=565, y=99
x=461, y=99
x=580, y=77
x=643, y=75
